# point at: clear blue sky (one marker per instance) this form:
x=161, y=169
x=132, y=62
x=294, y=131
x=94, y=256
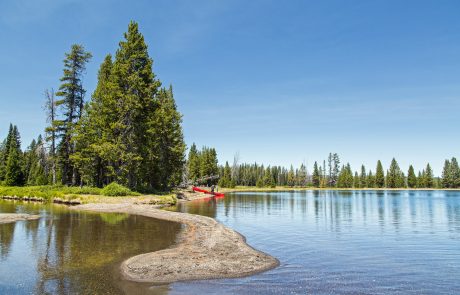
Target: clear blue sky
x=280, y=82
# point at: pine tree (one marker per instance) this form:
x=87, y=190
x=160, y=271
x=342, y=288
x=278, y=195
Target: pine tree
x=394, y=175
x=421, y=179
x=72, y=95
x=356, y=180
x=14, y=175
x=429, y=182
x=291, y=177
x=36, y=163
x=30, y=158
x=302, y=176
x=134, y=90
x=225, y=180
x=268, y=178
x=316, y=175
x=345, y=177
x=167, y=130
x=51, y=113
x=363, y=178
x=370, y=180
x=454, y=173
x=5, y=152
x=193, y=163
x=446, y=175
x=379, y=175
x=411, y=178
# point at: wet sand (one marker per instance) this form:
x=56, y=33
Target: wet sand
x=205, y=250
x=13, y=217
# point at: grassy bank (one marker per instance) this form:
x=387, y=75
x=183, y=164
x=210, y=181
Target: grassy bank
x=81, y=195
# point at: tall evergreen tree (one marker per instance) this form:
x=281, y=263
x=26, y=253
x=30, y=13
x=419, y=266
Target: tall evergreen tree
x=167, y=131
x=5, y=152
x=316, y=175
x=226, y=179
x=370, y=179
x=51, y=129
x=356, y=180
x=446, y=175
x=72, y=95
x=291, y=177
x=394, y=175
x=429, y=181
x=193, y=163
x=454, y=173
x=379, y=175
x=411, y=178
x=363, y=178
x=302, y=176
x=14, y=175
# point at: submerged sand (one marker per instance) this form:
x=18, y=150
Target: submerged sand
x=206, y=249
x=13, y=217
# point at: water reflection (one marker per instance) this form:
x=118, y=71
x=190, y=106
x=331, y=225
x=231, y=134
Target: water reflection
x=375, y=242
x=69, y=252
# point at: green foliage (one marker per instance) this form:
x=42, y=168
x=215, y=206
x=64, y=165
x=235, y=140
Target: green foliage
x=193, y=163
x=451, y=174
x=411, y=178
x=226, y=179
x=47, y=192
x=14, y=174
x=345, y=178
x=117, y=190
x=291, y=177
x=203, y=163
x=333, y=165
x=395, y=177
x=379, y=175
x=72, y=95
x=429, y=181
x=316, y=175
x=131, y=131
x=363, y=179
x=356, y=181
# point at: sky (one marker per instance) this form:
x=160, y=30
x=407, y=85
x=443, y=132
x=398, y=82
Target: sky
x=278, y=82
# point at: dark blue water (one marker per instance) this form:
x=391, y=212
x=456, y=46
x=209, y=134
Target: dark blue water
x=342, y=242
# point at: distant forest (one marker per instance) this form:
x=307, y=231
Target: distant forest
x=328, y=174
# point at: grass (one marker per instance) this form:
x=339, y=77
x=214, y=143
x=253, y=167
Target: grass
x=113, y=193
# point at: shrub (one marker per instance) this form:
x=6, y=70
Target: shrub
x=116, y=190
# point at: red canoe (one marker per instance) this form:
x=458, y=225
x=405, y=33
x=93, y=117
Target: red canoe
x=197, y=189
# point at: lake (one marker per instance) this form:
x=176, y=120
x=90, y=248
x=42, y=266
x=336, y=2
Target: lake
x=328, y=242
x=342, y=242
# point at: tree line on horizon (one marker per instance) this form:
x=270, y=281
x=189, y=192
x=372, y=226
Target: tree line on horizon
x=129, y=132
x=334, y=175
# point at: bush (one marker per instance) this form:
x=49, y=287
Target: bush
x=117, y=190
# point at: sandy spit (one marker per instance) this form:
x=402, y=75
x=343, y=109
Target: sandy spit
x=13, y=217
x=206, y=250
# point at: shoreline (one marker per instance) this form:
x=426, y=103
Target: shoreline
x=250, y=189
x=206, y=249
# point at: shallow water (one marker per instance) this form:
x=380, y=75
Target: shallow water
x=70, y=252
x=342, y=242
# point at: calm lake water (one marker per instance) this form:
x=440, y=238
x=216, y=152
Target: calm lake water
x=328, y=242
x=69, y=252
x=342, y=242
